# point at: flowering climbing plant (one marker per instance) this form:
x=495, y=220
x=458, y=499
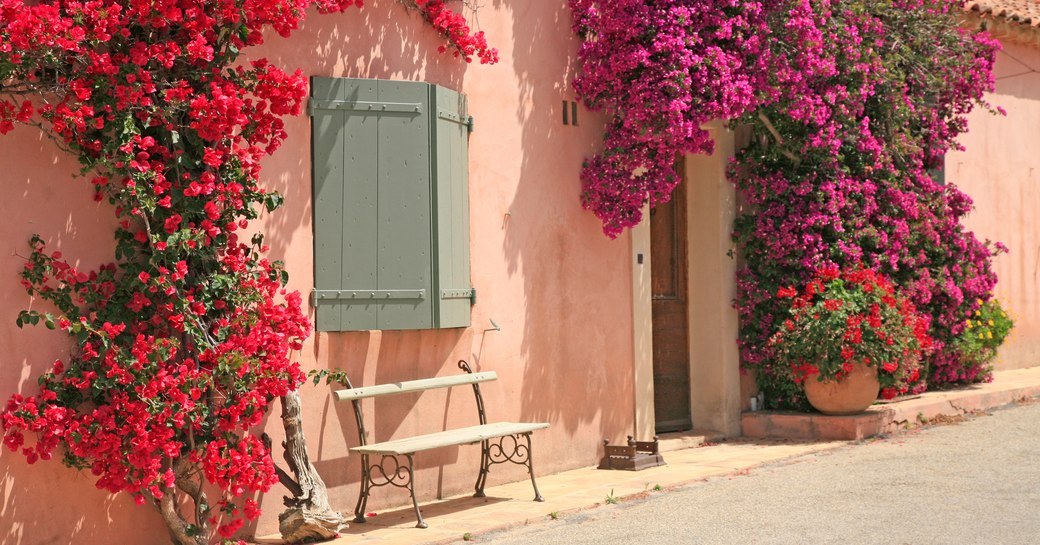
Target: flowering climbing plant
x=848, y=107
x=661, y=70
x=843, y=318
x=181, y=343
x=844, y=171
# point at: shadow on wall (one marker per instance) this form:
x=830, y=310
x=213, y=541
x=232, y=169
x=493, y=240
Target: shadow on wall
x=577, y=328
x=380, y=357
x=1016, y=72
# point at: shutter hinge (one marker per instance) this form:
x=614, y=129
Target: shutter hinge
x=448, y=115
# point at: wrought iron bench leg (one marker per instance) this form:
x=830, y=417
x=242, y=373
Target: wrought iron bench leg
x=530, y=469
x=396, y=475
x=366, y=488
x=485, y=466
x=411, y=488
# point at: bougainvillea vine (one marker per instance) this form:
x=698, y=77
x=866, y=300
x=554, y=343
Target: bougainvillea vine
x=843, y=170
x=183, y=341
x=850, y=107
x=661, y=70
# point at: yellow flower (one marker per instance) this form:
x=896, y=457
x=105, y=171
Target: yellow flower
x=991, y=323
x=979, y=300
x=989, y=334
x=981, y=336
x=969, y=324
x=977, y=313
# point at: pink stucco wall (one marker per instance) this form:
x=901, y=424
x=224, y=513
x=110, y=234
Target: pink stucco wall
x=1000, y=170
x=558, y=288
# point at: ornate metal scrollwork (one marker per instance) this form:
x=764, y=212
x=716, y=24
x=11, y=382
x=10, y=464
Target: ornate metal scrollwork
x=509, y=448
x=382, y=474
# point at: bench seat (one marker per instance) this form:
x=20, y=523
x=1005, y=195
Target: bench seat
x=447, y=438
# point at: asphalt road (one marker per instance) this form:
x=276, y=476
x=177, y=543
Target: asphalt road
x=973, y=482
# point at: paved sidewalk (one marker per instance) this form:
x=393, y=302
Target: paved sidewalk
x=510, y=505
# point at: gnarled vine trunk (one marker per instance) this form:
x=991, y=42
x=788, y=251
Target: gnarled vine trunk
x=309, y=517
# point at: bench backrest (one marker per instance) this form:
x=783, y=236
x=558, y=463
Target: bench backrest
x=355, y=395
x=414, y=385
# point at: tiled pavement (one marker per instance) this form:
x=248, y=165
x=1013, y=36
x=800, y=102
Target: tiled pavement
x=510, y=505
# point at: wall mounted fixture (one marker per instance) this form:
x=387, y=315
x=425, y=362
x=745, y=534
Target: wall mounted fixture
x=570, y=113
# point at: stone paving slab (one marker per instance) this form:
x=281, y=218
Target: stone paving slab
x=510, y=504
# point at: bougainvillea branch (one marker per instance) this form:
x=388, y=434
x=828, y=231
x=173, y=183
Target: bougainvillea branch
x=183, y=341
x=455, y=29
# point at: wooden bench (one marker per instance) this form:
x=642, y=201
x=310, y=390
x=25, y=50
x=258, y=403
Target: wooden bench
x=500, y=442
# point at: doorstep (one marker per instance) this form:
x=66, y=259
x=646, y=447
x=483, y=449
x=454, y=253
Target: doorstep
x=1007, y=387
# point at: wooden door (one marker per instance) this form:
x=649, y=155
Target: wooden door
x=670, y=321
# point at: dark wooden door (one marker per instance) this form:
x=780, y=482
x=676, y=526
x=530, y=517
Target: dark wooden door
x=670, y=321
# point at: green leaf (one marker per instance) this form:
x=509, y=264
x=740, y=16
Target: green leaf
x=272, y=201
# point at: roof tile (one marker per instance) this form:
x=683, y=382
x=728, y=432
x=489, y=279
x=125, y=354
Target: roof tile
x=1023, y=12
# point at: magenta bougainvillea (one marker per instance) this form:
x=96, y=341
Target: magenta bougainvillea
x=850, y=107
x=661, y=70
x=183, y=341
x=843, y=169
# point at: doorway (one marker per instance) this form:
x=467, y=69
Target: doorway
x=670, y=315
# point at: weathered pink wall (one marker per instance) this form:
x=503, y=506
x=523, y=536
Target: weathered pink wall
x=558, y=288
x=47, y=503
x=1000, y=170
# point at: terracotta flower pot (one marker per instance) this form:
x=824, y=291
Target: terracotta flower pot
x=852, y=395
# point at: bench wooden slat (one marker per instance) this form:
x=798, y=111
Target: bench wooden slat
x=460, y=436
x=414, y=385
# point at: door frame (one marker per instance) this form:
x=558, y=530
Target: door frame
x=715, y=395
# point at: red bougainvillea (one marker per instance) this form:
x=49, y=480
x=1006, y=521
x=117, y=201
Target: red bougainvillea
x=183, y=341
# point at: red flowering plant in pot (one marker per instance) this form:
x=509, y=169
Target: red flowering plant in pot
x=850, y=330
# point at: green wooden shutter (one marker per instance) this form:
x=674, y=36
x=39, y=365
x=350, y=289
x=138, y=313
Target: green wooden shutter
x=451, y=210
x=379, y=213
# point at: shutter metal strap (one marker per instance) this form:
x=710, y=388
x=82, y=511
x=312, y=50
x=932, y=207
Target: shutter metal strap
x=414, y=108
x=339, y=296
x=468, y=293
